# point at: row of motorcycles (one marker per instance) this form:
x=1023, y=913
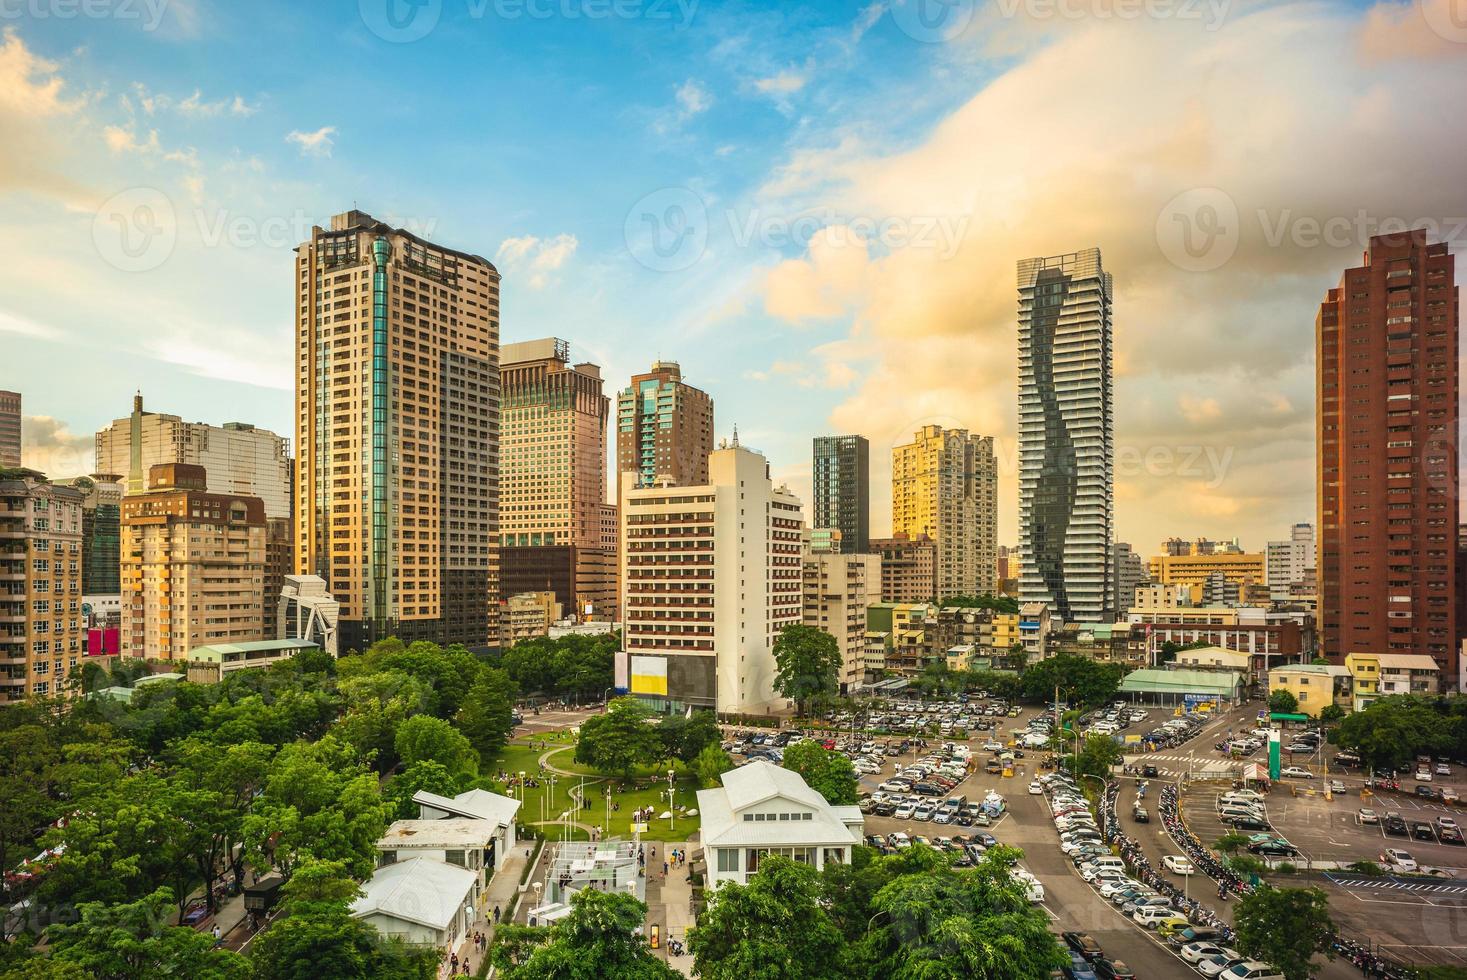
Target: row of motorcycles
x=1229, y=883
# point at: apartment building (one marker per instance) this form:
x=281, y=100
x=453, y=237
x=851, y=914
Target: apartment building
x=529, y=615
x=1380, y=675
x=908, y=568
x=10, y=416
x=841, y=485
x=1242, y=569
x=193, y=566
x=397, y=428
x=1290, y=564
x=664, y=429
x=838, y=588
x=693, y=637
x=944, y=484
x=40, y=584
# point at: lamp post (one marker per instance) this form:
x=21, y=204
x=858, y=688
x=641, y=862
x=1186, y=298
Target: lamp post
x=606, y=823
x=671, y=810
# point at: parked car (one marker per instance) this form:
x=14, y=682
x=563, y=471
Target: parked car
x=1366, y=815
x=1108, y=969
x=1295, y=772
x=1251, y=970
x=1177, y=864
x=1082, y=943
x=1395, y=825
x=1399, y=859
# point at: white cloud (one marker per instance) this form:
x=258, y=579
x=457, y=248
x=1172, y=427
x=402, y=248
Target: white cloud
x=691, y=99
x=536, y=258
x=21, y=326
x=124, y=139
x=784, y=83
x=29, y=84
x=49, y=446
x=313, y=144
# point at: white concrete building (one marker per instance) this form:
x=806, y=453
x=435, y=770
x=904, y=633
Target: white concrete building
x=837, y=591
x=475, y=804
x=1066, y=436
x=1290, y=563
x=693, y=638
x=306, y=610
x=763, y=810
x=422, y=901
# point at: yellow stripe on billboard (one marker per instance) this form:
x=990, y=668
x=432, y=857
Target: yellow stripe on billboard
x=649, y=675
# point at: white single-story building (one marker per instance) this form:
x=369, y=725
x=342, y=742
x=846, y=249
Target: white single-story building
x=422, y=901
x=476, y=804
x=458, y=842
x=762, y=810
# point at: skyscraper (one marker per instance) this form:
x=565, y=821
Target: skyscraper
x=397, y=430
x=944, y=484
x=1290, y=564
x=552, y=488
x=9, y=429
x=664, y=429
x=1066, y=436
x=40, y=603
x=1386, y=358
x=101, y=533
x=842, y=490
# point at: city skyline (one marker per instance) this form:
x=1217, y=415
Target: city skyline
x=1214, y=368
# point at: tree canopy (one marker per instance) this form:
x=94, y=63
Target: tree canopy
x=1286, y=927
x=828, y=773
x=807, y=665
x=621, y=740
x=599, y=938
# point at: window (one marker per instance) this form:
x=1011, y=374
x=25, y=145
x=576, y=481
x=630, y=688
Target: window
x=728, y=859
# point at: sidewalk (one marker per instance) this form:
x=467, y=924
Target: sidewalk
x=500, y=893
x=669, y=903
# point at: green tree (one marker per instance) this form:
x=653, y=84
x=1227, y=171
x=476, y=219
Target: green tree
x=1283, y=702
x=619, y=741
x=27, y=758
x=1392, y=731
x=684, y=737
x=1080, y=680
x=597, y=939
x=774, y=927
x=828, y=773
x=1230, y=843
x=1331, y=713
x=424, y=738
x=711, y=764
x=133, y=939
x=427, y=775
x=1097, y=755
x=1285, y=927
x=807, y=665
x=999, y=604
x=486, y=717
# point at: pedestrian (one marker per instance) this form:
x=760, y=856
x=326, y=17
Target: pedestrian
x=496, y=914
x=453, y=964
x=664, y=870
x=216, y=932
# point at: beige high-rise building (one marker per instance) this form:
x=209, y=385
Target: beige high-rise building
x=552, y=490
x=711, y=575
x=838, y=589
x=664, y=429
x=238, y=457
x=193, y=566
x=397, y=429
x=40, y=584
x=908, y=568
x=9, y=429
x=944, y=484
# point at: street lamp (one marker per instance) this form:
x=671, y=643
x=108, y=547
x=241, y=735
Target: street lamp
x=606, y=824
x=670, y=809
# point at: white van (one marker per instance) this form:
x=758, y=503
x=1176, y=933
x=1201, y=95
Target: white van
x=1106, y=863
x=1033, y=888
x=1151, y=916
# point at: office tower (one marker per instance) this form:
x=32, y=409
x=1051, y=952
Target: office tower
x=193, y=566
x=101, y=532
x=239, y=458
x=664, y=429
x=1130, y=572
x=1386, y=419
x=40, y=584
x=1066, y=436
x=1290, y=564
x=9, y=429
x=397, y=432
x=842, y=489
x=944, y=484
x=552, y=488
x=693, y=637
x=838, y=589
x=908, y=568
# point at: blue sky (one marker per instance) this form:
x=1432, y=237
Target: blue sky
x=572, y=142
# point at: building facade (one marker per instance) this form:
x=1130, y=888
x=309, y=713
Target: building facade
x=101, y=533
x=10, y=429
x=40, y=585
x=711, y=575
x=397, y=427
x=908, y=568
x=1387, y=417
x=238, y=457
x=1291, y=563
x=1242, y=569
x=193, y=566
x=1066, y=436
x=842, y=490
x=664, y=429
x=837, y=591
x=944, y=484
x=1130, y=574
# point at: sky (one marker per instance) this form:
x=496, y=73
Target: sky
x=817, y=208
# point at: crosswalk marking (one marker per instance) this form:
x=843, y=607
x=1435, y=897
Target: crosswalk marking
x=1400, y=885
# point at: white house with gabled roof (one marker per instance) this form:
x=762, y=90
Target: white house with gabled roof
x=764, y=810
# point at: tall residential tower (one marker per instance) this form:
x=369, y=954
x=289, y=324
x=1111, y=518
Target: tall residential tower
x=664, y=429
x=842, y=490
x=1386, y=357
x=397, y=430
x=1066, y=450
x=944, y=484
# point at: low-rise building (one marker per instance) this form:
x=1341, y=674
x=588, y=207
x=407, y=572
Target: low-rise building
x=529, y=615
x=307, y=611
x=207, y=664
x=1034, y=629
x=762, y=810
x=421, y=901
x=1314, y=686
x=1379, y=675
x=905, y=626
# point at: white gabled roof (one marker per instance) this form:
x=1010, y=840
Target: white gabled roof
x=758, y=782
x=476, y=804
x=761, y=780
x=421, y=890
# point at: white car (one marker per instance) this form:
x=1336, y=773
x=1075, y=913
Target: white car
x=1295, y=772
x=1422, y=776
x=1113, y=885
x=1035, y=789
x=1442, y=769
x=1197, y=952
x=1399, y=859
x=1367, y=816
x=1251, y=970
x=1177, y=864
x=1214, y=965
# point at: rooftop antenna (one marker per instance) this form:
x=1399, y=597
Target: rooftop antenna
x=736, y=435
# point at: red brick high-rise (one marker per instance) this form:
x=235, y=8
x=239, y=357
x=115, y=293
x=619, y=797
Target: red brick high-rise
x=1386, y=419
